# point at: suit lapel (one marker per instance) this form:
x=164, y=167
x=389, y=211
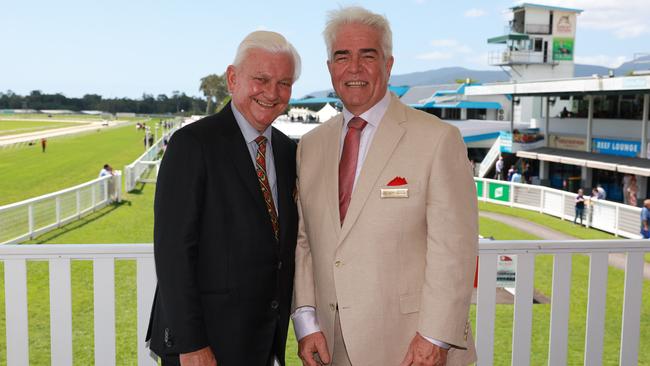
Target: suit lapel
x=381, y=149
x=331, y=169
x=241, y=158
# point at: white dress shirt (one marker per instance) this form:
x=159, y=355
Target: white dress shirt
x=304, y=318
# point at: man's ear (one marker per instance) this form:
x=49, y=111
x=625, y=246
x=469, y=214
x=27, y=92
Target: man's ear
x=389, y=64
x=231, y=77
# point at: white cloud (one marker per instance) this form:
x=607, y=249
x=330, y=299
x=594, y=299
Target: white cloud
x=601, y=60
x=475, y=13
x=444, y=43
x=625, y=19
x=435, y=56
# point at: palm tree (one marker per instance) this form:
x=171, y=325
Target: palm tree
x=215, y=90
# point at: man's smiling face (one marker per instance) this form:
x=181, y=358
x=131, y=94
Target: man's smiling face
x=261, y=86
x=359, y=67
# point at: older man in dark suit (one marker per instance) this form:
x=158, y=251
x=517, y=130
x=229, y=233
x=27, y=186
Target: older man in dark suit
x=226, y=221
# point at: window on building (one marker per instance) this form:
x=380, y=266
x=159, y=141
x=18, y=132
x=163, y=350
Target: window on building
x=473, y=113
x=538, y=45
x=628, y=106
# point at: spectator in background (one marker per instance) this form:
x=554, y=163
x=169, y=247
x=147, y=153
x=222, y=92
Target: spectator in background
x=631, y=191
x=526, y=174
x=43, y=144
x=499, y=169
x=511, y=171
x=516, y=177
x=602, y=194
x=106, y=170
x=580, y=206
x=626, y=185
x=645, y=219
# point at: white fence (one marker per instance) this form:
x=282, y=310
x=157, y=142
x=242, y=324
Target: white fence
x=616, y=218
x=27, y=219
x=149, y=162
x=15, y=258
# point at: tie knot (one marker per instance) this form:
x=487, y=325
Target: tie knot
x=260, y=140
x=357, y=123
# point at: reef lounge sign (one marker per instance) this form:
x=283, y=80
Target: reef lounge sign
x=616, y=147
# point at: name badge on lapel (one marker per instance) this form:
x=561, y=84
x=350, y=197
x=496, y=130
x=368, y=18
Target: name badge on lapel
x=395, y=189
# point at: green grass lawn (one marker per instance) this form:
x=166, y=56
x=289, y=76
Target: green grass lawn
x=69, y=160
x=18, y=127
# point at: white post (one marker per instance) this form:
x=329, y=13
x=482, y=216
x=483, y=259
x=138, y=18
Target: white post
x=644, y=126
x=547, y=135
x=590, y=122
x=93, y=188
x=58, y=210
x=78, y=196
x=117, y=178
x=30, y=220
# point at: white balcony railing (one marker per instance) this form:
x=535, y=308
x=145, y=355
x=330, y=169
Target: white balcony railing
x=612, y=217
x=15, y=258
x=27, y=219
x=148, y=161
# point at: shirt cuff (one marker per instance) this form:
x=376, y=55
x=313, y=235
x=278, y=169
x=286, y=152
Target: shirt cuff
x=305, y=322
x=438, y=343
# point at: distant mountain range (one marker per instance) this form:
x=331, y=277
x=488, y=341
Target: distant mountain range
x=449, y=75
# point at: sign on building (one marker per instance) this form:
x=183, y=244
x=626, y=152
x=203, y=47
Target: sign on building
x=568, y=142
x=562, y=49
x=616, y=147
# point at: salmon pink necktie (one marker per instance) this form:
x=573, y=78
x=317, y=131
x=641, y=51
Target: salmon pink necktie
x=348, y=163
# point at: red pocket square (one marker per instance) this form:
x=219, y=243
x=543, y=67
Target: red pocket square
x=397, y=181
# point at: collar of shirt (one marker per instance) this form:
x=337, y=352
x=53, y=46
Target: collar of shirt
x=250, y=133
x=373, y=115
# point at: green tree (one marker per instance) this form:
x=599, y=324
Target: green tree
x=215, y=89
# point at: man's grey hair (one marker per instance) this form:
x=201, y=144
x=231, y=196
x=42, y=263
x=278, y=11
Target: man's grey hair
x=357, y=15
x=271, y=42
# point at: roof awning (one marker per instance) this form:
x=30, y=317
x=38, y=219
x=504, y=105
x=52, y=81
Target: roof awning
x=621, y=164
x=511, y=36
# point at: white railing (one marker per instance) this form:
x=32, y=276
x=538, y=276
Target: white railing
x=27, y=219
x=15, y=258
x=612, y=217
x=526, y=251
x=134, y=172
x=491, y=156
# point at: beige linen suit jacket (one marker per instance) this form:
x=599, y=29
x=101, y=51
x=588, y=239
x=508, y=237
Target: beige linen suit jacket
x=396, y=265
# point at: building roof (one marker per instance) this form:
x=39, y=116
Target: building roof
x=614, y=163
x=420, y=93
x=513, y=36
x=546, y=7
x=574, y=86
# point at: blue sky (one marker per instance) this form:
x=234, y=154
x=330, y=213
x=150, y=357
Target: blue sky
x=123, y=48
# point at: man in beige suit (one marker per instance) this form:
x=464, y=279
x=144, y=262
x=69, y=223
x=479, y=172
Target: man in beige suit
x=388, y=219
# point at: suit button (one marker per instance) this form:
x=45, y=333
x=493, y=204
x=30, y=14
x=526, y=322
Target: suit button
x=338, y=263
x=274, y=304
x=332, y=307
x=279, y=265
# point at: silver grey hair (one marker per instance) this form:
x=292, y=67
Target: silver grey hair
x=271, y=42
x=357, y=15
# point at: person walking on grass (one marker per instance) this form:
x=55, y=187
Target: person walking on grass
x=580, y=206
x=43, y=144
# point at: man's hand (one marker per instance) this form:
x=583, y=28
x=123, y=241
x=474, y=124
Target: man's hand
x=424, y=353
x=202, y=357
x=310, y=345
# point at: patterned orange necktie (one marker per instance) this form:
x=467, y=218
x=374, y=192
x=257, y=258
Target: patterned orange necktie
x=260, y=168
x=348, y=163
